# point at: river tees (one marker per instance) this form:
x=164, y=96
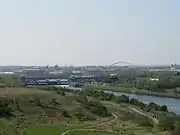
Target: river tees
x=172, y=103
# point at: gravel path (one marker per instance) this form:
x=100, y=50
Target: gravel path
x=144, y=114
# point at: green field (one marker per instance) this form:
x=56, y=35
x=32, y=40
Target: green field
x=91, y=133
x=44, y=130
x=57, y=130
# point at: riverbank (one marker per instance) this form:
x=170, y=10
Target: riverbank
x=133, y=91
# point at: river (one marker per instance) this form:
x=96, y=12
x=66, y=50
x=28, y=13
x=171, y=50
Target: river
x=172, y=103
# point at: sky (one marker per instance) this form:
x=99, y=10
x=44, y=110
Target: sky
x=89, y=32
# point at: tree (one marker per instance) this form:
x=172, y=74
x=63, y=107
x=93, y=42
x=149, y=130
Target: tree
x=154, y=106
x=5, y=109
x=140, y=83
x=165, y=83
x=133, y=101
x=97, y=108
x=111, y=79
x=122, y=99
x=163, y=108
x=11, y=81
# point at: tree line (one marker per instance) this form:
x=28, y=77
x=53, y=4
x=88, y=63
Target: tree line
x=143, y=79
x=124, y=99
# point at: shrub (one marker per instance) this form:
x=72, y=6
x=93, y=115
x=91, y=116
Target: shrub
x=62, y=93
x=133, y=101
x=5, y=109
x=82, y=99
x=167, y=123
x=65, y=113
x=163, y=108
x=153, y=106
x=145, y=122
x=83, y=117
x=122, y=99
x=177, y=128
x=97, y=108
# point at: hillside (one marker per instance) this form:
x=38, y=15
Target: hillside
x=22, y=107
x=56, y=111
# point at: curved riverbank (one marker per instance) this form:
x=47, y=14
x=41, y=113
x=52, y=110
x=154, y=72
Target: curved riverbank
x=171, y=103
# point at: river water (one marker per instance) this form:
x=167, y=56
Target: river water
x=172, y=103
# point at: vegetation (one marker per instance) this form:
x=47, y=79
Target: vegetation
x=124, y=99
x=94, y=106
x=22, y=107
x=153, y=81
x=44, y=130
x=51, y=110
x=176, y=128
x=97, y=108
x=91, y=133
x=10, y=81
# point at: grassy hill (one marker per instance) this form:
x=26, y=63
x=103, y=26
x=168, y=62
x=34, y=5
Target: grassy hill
x=27, y=107
x=34, y=111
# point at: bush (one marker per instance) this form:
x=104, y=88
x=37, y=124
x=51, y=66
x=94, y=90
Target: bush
x=133, y=101
x=5, y=109
x=163, y=108
x=145, y=122
x=83, y=117
x=82, y=99
x=122, y=99
x=154, y=106
x=65, y=113
x=97, y=108
x=167, y=123
x=61, y=93
x=137, y=103
x=177, y=128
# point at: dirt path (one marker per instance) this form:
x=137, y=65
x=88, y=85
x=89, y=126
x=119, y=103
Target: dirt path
x=95, y=125
x=156, y=121
x=144, y=114
x=110, y=121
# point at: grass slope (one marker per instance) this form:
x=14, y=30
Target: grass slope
x=91, y=133
x=40, y=112
x=44, y=130
x=31, y=106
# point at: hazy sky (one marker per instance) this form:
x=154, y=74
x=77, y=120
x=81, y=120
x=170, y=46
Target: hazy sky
x=80, y=32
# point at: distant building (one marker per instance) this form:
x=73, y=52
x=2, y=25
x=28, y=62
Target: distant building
x=34, y=72
x=56, y=72
x=113, y=74
x=6, y=73
x=76, y=72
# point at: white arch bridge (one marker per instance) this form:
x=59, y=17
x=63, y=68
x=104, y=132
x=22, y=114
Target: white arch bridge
x=122, y=63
